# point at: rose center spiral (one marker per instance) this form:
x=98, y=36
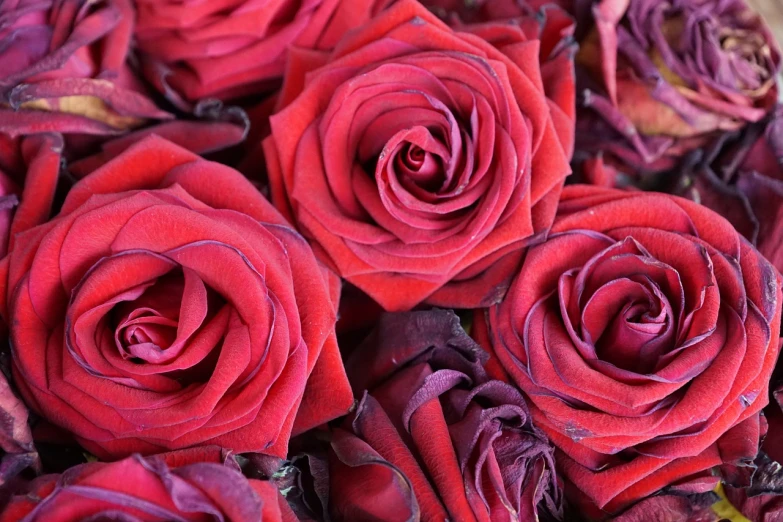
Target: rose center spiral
x=159, y=323
x=420, y=167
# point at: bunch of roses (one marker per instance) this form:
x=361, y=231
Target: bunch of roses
x=317, y=260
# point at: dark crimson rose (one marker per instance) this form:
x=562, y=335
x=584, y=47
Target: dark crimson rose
x=433, y=437
x=168, y=305
x=662, y=77
x=644, y=332
x=190, y=485
x=420, y=160
x=593, y=170
x=225, y=49
x=742, y=179
x=64, y=68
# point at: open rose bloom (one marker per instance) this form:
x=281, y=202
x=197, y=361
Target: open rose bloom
x=419, y=160
x=138, y=339
x=661, y=77
x=644, y=333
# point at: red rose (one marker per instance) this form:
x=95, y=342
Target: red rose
x=190, y=485
x=231, y=48
x=64, y=68
x=433, y=436
x=419, y=160
x=644, y=333
x=168, y=305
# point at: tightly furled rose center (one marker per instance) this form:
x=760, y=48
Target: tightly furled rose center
x=158, y=319
x=619, y=308
x=424, y=145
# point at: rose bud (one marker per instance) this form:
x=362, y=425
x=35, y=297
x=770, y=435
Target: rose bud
x=228, y=49
x=662, y=78
x=188, y=485
x=418, y=160
x=64, y=68
x=169, y=305
x=430, y=421
x=741, y=178
x=643, y=333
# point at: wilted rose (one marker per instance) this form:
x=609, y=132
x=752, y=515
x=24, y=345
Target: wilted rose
x=741, y=178
x=169, y=305
x=419, y=160
x=644, y=333
x=64, y=68
x=189, y=485
x=231, y=48
x=434, y=437
x=662, y=77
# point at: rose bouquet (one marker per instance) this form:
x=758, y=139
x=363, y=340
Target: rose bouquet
x=390, y=260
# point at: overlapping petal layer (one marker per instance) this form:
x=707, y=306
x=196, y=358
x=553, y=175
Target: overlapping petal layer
x=160, y=310
x=188, y=485
x=644, y=332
